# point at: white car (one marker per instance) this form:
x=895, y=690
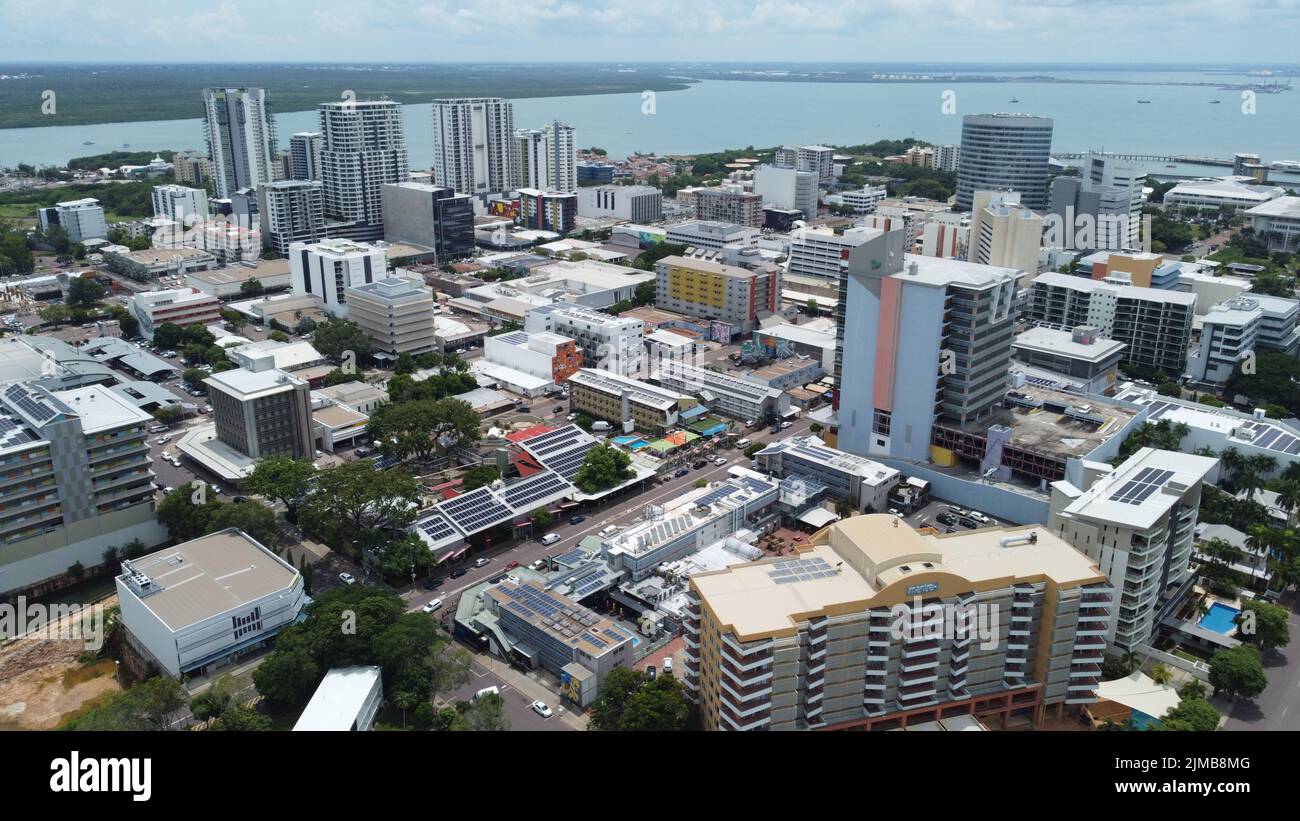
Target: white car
x=537, y=565
x=347, y=578
x=541, y=709
x=167, y=457
x=979, y=517
x=432, y=606
x=895, y=512
x=786, y=424
x=719, y=461
x=481, y=561
x=161, y=440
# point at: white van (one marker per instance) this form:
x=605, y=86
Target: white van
x=550, y=538
x=742, y=444
x=486, y=691
x=668, y=665
x=609, y=531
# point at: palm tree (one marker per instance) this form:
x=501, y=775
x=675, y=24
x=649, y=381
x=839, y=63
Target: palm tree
x=1161, y=674
x=1232, y=461
x=1288, y=498
x=1260, y=539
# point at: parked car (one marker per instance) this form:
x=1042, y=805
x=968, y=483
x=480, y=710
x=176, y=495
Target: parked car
x=432, y=606
x=979, y=517
x=457, y=573
x=719, y=461
x=497, y=579
x=571, y=417
x=650, y=672
x=347, y=578
x=162, y=440
x=966, y=521
x=946, y=519
x=433, y=582
x=486, y=691
x=548, y=539
x=512, y=565
x=699, y=463
x=786, y=424
x=577, y=520
x=541, y=709
x=537, y=565
x=680, y=472
x=894, y=511
x=668, y=665
x=481, y=561
x=558, y=409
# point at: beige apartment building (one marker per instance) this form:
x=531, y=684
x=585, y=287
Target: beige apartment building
x=397, y=315
x=873, y=625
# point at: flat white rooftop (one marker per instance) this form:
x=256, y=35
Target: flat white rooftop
x=100, y=409
x=1141, y=490
x=1061, y=343
x=339, y=700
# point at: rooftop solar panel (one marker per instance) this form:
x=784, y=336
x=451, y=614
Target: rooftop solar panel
x=1264, y=440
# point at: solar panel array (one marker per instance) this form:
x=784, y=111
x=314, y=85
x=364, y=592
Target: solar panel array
x=475, y=511
x=561, y=450
x=716, y=494
x=571, y=623
x=801, y=570
x=13, y=432
x=523, y=494
x=24, y=402
x=436, y=527
x=1136, y=490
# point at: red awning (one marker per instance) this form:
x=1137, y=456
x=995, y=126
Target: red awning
x=460, y=552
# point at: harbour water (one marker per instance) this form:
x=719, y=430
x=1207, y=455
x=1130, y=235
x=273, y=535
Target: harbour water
x=718, y=114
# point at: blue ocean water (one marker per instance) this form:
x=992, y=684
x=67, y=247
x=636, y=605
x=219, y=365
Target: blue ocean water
x=717, y=114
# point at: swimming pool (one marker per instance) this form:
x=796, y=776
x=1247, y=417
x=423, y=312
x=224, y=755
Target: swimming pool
x=1220, y=618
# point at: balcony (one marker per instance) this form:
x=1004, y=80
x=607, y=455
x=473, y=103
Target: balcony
x=920, y=677
x=1089, y=642
x=741, y=695
x=918, y=665
x=929, y=647
x=742, y=724
x=692, y=642
x=746, y=665
x=913, y=695
x=747, y=650
x=819, y=653
x=1086, y=671
x=816, y=669
x=1088, y=684
x=743, y=680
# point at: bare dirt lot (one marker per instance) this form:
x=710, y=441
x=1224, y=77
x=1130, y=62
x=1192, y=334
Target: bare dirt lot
x=42, y=683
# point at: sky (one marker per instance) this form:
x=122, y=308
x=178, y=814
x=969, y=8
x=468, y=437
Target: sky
x=981, y=31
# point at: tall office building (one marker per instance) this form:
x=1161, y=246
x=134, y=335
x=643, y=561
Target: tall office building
x=82, y=219
x=925, y=338
x=1003, y=232
x=872, y=625
x=729, y=203
x=787, y=188
x=1109, y=192
x=327, y=269
x=262, y=411
x=1004, y=152
x=547, y=158
x=946, y=157
x=291, y=211
x=818, y=159
x=304, y=151
x=362, y=149
x=1137, y=522
x=240, y=131
x=429, y=216
x=179, y=203
x=474, y=148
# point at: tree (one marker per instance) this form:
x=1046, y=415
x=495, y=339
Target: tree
x=644, y=293
x=278, y=336
x=251, y=287
x=336, y=337
x=195, y=377
x=338, y=376
x=282, y=478
x=170, y=414
x=606, y=712
x=1191, y=714
x=54, y=314
x=287, y=677
x=1238, y=671
x=1263, y=625
x=603, y=467
x=485, y=714
x=352, y=504
x=84, y=292
x=479, y=476
x=243, y=720
x=407, y=555
x=405, y=363
x=423, y=428
x=1170, y=388
x=183, y=518
x=450, y=667
x=234, y=319
x=255, y=519
x=658, y=706
x=215, y=700
x=168, y=335
x=753, y=449
x=542, y=517
x=1161, y=674
x=150, y=706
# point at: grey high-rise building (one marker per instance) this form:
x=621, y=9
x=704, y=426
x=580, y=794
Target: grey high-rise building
x=362, y=150
x=474, y=147
x=304, y=151
x=291, y=211
x=240, y=131
x=1004, y=152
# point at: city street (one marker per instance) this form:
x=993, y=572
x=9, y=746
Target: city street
x=1278, y=707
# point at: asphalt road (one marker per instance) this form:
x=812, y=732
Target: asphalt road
x=1278, y=707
